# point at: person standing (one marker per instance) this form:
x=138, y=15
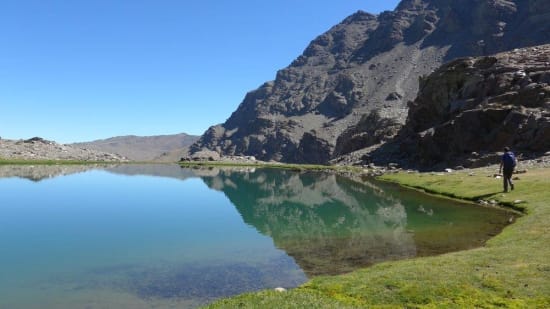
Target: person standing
x=507, y=164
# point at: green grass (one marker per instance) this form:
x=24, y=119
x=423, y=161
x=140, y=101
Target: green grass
x=511, y=271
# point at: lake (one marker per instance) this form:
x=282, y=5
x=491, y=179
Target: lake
x=161, y=236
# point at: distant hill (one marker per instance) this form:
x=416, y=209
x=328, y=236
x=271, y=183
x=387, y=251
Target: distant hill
x=37, y=148
x=143, y=148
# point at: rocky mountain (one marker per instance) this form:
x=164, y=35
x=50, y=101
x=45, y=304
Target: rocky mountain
x=37, y=148
x=473, y=107
x=349, y=89
x=145, y=148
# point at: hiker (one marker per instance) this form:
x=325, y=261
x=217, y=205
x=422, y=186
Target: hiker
x=508, y=162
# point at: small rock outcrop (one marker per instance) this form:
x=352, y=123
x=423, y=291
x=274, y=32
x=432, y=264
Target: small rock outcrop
x=372, y=129
x=473, y=106
x=37, y=148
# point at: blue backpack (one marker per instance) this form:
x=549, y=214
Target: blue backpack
x=509, y=160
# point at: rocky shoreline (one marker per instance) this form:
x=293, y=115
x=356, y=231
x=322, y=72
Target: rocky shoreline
x=37, y=148
x=486, y=161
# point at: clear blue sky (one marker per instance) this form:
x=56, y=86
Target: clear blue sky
x=78, y=70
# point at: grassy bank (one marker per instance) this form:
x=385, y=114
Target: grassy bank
x=512, y=270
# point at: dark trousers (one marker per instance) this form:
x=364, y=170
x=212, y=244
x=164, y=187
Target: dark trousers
x=507, y=179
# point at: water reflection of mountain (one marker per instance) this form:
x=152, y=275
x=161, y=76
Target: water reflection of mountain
x=156, y=170
x=331, y=224
x=41, y=172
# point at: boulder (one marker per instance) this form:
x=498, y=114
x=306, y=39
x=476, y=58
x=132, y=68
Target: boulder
x=394, y=96
x=205, y=155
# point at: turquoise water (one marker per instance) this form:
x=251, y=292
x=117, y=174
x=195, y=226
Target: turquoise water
x=143, y=236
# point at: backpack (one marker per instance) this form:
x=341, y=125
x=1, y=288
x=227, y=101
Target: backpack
x=509, y=160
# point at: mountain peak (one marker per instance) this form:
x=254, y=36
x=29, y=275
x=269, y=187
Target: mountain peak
x=358, y=16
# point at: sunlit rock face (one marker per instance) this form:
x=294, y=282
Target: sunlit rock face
x=480, y=105
x=316, y=108
x=332, y=225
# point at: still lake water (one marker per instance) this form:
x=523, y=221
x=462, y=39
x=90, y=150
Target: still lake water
x=144, y=236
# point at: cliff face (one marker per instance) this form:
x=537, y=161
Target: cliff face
x=321, y=105
x=475, y=105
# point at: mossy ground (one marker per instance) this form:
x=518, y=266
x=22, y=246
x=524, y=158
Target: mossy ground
x=512, y=270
